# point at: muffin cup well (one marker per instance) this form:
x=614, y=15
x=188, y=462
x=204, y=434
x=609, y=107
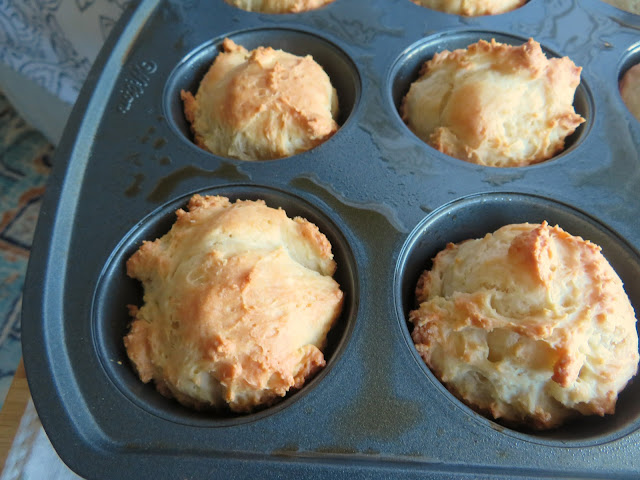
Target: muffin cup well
x=631, y=58
x=406, y=68
x=190, y=71
x=115, y=290
x=475, y=216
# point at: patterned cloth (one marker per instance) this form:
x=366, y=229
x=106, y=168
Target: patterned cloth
x=54, y=42
x=24, y=166
x=46, y=50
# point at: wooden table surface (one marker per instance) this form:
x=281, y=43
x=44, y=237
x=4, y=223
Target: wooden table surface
x=12, y=410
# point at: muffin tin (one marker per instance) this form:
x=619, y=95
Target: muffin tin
x=387, y=202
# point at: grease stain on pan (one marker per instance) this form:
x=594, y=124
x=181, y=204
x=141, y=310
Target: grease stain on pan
x=359, y=32
x=134, y=159
x=167, y=185
x=337, y=450
x=377, y=411
x=624, y=24
x=286, y=451
x=401, y=155
x=134, y=189
x=355, y=26
x=500, y=179
x=426, y=208
x=360, y=215
x=293, y=451
x=618, y=170
x=159, y=143
x=147, y=135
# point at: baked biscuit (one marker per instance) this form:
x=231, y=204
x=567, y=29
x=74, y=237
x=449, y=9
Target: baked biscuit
x=262, y=104
x=238, y=301
x=529, y=325
x=630, y=90
x=472, y=8
x=279, y=6
x=494, y=104
x=632, y=6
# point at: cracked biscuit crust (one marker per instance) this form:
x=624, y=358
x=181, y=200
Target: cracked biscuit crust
x=238, y=301
x=279, y=6
x=529, y=325
x=471, y=8
x=494, y=104
x=262, y=104
x=630, y=90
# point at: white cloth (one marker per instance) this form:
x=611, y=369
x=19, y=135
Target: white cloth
x=46, y=50
x=31, y=456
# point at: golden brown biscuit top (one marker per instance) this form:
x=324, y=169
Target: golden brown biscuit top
x=530, y=324
x=238, y=300
x=630, y=90
x=494, y=104
x=262, y=104
x=472, y=8
x=279, y=6
x=271, y=80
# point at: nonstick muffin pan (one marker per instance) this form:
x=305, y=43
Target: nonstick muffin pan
x=387, y=202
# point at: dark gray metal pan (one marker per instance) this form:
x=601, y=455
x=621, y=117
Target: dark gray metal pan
x=387, y=201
